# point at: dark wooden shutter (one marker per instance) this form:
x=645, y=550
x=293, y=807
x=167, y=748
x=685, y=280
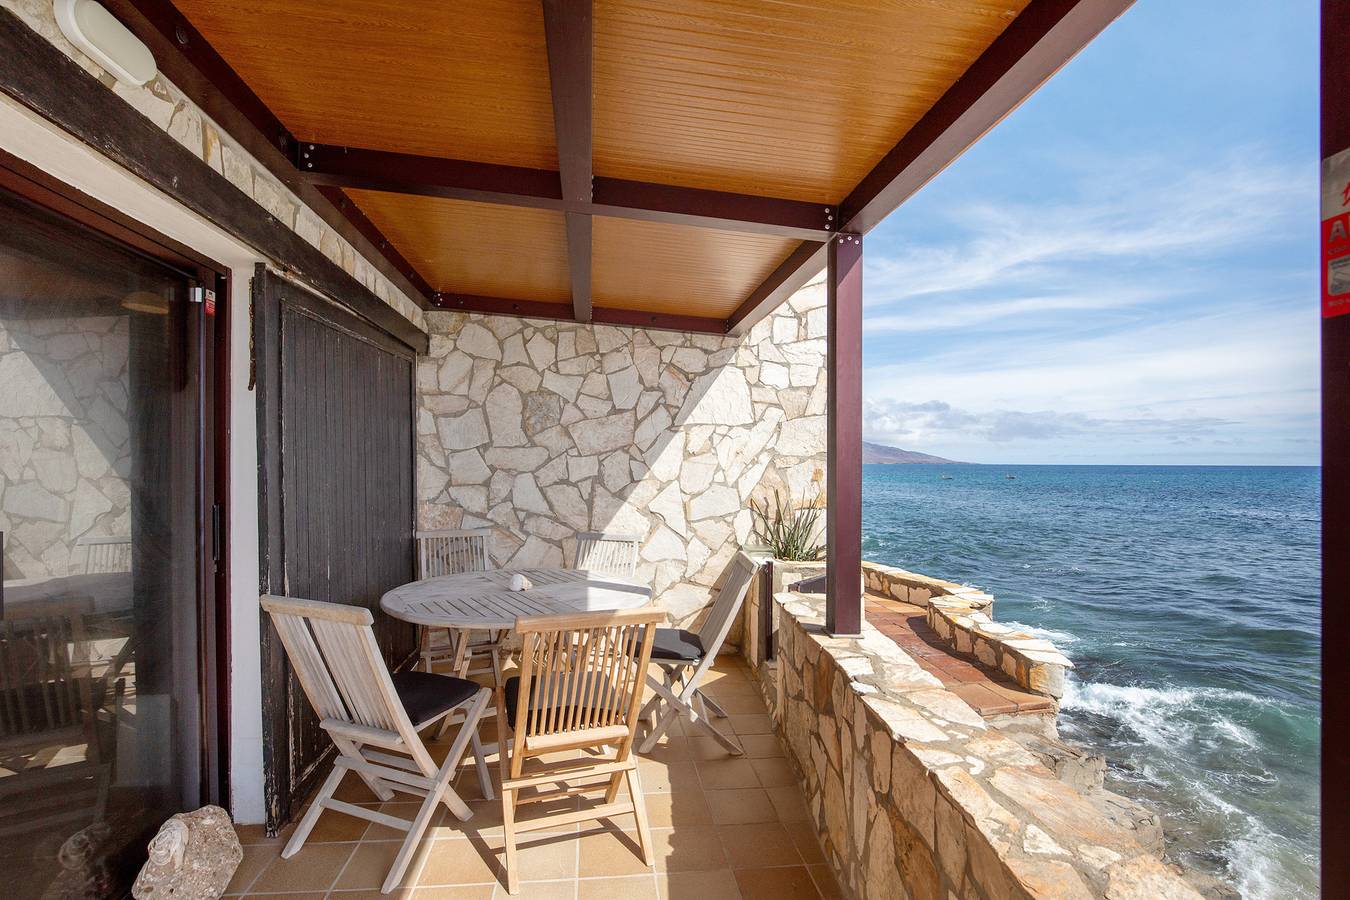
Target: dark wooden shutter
x=335, y=416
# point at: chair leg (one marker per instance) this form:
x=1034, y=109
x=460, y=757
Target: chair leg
x=509, y=840
x=612, y=793
x=708, y=701
x=311, y=815
x=639, y=813
x=480, y=763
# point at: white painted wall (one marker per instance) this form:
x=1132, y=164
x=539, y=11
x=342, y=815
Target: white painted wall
x=37, y=141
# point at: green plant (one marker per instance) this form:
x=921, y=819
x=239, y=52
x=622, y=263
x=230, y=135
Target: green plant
x=789, y=529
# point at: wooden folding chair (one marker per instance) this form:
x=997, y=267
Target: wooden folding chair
x=579, y=688
x=333, y=651
x=684, y=658
x=613, y=554
x=450, y=552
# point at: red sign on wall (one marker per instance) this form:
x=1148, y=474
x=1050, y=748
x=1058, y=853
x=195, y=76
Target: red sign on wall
x=1336, y=235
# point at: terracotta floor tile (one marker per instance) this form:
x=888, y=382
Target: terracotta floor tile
x=256, y=858
x=738, y=807
x=543, y=857
x=539, y=890
x=290, y=895
x=775, y=772
x=609, y=852
x=759, y=723
x=788, y=804
x=803, y=836
x=660, y=778
x=687, y=850
x=754, y=846
x=787, y=883
x=984, y=701
x=638, y=887
x=705, y=746
x=369, y=865
x=826, y=882
x=400, y=893
x=760, y=746
x=719, y=884
x=683, y=808
x=727, y=773
x=459, y=861
x=474, y=892
x=314, y=868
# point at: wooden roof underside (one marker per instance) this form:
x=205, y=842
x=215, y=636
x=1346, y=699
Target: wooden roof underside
x=627, y=160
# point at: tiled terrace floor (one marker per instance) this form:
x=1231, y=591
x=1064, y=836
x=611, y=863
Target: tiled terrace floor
x=723, y=828
x=989, y=693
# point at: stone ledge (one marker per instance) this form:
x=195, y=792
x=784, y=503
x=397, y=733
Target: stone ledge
x=1034, y=663
x=918, y=590
x=912, y=795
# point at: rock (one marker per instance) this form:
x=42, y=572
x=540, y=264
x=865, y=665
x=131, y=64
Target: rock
x=1139, y=820
x=193, y=857
x=1073, y=765
x=504, y=410
x=462, y=432
x=596, y=436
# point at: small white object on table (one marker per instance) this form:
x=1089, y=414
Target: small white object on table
x=485, y=600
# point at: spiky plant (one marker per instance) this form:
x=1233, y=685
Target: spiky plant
x=789, y=529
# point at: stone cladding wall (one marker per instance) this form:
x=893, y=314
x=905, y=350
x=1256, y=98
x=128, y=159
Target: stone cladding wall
x=913, y=795
x=65, y=453
x=543, y=429
x=163, y=103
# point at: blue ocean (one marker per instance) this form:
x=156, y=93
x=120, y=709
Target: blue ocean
x=1188, y=599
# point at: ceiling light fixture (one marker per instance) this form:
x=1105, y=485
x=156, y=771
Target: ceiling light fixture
x=105, y=40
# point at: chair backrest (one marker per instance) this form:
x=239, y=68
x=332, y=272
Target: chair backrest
x=452, y=552
x=612, y=554
x=46, y=679
x=333, y=651
x=106, y=554
x=722, y=616
x=581, y=678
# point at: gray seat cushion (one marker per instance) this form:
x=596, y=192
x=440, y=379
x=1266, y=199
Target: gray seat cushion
x=676, y=645
x=425, y=695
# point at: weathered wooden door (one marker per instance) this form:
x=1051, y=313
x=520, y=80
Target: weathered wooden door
x=335, y=432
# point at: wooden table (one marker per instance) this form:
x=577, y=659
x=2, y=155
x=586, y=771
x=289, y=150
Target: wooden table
x=484, y=600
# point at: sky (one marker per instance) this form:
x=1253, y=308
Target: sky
x=1124, y=271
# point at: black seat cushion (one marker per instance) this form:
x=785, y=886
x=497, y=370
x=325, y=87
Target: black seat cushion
x=425, y=695
x=539, y=696
x=676, y=645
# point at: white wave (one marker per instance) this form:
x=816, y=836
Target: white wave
x=1162, y=716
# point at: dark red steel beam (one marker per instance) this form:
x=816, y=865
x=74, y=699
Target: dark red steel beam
x=570, y=42
x=843, y=454
x=792, y=273
x=1043, y=37
x=620, y=198
x=601, y=315
x=1335, y=787
x=372, y=233
x=191, y=63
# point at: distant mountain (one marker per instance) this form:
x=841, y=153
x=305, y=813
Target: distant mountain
x=880, y=453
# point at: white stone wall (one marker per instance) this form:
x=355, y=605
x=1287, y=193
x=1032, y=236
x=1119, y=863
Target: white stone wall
x=543, y=429
x=165, y=105
x=64, y=442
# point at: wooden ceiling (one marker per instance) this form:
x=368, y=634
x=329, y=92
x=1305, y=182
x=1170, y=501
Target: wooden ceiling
x=780, y=99
x=684, y=158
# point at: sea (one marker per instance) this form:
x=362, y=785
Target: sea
x=1189, y=601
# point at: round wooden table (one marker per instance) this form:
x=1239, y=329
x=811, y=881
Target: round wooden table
x=484, y=600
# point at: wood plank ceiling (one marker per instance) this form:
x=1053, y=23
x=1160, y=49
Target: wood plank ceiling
x=802, y=102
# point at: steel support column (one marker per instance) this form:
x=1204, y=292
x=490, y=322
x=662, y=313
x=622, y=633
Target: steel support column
x=1335, y=480
x=843, y=517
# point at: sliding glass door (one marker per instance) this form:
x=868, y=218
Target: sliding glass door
x=104, y=362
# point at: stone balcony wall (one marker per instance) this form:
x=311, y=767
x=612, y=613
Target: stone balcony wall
x=542, y=429
x=960, y=614
x=913, y=795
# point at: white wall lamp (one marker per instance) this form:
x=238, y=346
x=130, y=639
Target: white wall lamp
x=106, y=41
